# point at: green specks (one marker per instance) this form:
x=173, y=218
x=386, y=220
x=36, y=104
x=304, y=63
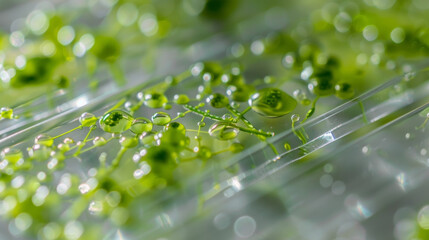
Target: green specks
x=272, y=102
x=116, y=121
x=161, y=118
x=223, y=131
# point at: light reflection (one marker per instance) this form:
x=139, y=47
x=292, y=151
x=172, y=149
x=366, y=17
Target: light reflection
x=235, y=183
x=148, y=24
x=356, y=207
x=245, y=226
x=402, y=181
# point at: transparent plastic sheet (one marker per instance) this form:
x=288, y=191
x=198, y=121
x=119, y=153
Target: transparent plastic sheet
x=339, y=135
x=261, y=172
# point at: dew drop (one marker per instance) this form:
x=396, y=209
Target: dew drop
x=272, y=102
x=161, y=118
x=223, y=131
x=99, y=141
x=128, y=142
x=87, y=119
x=12, y=155
x=116, y=121
x=155, y=100
x=181, y=99
x=68, y=140
x=44, y=139
x=6, y=112
x=141, y=125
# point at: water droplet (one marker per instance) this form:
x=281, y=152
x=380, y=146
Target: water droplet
x=287, y=146
x=240, y=93
x=289, y=60
x=344, y=90
x=84, y=188
x=161, y=118
x=95, y=207
x=63, y=147
x=272, y=102
x=218, y=100
x=155, y=100
x=423, y=217
x=128, y=142
x=44, y=139
x=223, y=131
x=68, y=141
x=295, y=118
x=116, y=121
x=129, y=105
x=147, y=138
x=99, y=141
x=6, y=112
x=201, y=124
x=141, y=125
x=181, y=99
x=87, y=119
x=12, y=155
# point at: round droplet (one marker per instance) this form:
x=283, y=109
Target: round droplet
x=161, y=118
x=232, y=79
x=147, y=138
x=12, y=155
x=87, y=119
x=44, y=139
x=130, y=105
x=63, y=147
x=181, y=99
x=223, y=131
x=201, y=124
x=128, y=142
x=175, y=126
x=218, y=100
x=116, y=121
x=141, y=125
x=240, y=93
x=295, y=118
x=155, y=100
x=99, y=141
x=344, y=90
x=322, y=83
x=287, y=146
x=68, y=140
x=272, y=102
x=39, y=152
